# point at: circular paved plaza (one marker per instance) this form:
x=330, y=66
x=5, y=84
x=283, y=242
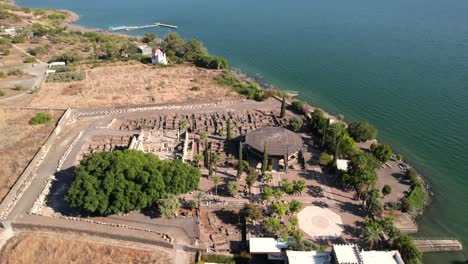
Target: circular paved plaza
x=320, y=222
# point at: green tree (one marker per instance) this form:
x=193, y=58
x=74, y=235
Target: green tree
x=149, y=37
x=336, y=131
x=174, y=46
x=121, y=181
x=298, y=106
x=273, y=225
x=168, y=204
x=252, y=177
x=382, y=152
x=279, y=208
x=318, y=121
x=194, y=49
x=267, y=193
x=362, y=131
x=295, y=206
x=233, y=188
x=299, y=186
x=372, y=232
x=348, y=147
x=296, y=124
x=386, y=190
x=265, y=159
x=252, y=212
x=228, y=130
x=240, y=163
x=407, y=248
x=215, y=180
x=283, y=107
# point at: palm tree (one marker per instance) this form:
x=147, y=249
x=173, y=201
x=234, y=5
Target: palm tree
x=372, y=232
x=199, y=158
x=200, y=197
x=215, y=180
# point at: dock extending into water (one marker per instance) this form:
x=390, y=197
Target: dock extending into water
x=440, y=245
x=128, y=28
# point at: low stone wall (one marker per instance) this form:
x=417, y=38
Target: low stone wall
x=23, y=182
x=28, y=226
x=78, y=115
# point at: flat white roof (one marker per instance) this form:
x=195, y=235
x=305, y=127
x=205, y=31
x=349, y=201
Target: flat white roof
x=342, y=164
x=381, y=257
x=266, y=245
x=308, y=257
x=348, y=254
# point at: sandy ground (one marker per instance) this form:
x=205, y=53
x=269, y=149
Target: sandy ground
x=19, y=142
x=41, y=249
x=131, y=85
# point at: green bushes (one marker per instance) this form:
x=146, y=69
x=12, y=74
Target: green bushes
x=2, y=93
x=141, y=58
x=362, y=131
x=17, y=39
x=30, y=60
x=18, y=87
x=210, y=62
x=68, y=57
x=15, y=72
x=66, y=76
x=2, y=74
x=415, y=200
x=298, y=106
x=121, y=181
x=40, y=118
x=295, y=124
x=40, y=50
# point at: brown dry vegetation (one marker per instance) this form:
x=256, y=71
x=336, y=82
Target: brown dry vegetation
x=131, y=85
x=38, y=249
x=19, y=142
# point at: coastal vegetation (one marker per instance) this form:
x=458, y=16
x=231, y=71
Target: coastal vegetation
x=121, y=181
x=40, y=118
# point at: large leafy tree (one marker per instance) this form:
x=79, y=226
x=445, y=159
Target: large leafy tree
x=121, y=181
x=362, y=131
x=168, y=204
x=382, y=152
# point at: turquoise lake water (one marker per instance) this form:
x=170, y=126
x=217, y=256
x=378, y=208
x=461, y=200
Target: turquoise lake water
x=401, y=65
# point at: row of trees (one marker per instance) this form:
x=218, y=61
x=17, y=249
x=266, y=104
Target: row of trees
x=121, y=181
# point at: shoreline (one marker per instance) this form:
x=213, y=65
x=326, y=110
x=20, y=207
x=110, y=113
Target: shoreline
x=73, y=17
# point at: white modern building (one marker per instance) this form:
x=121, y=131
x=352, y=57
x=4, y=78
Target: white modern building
x=159, y=57
x=350, y=254
x=307, y=257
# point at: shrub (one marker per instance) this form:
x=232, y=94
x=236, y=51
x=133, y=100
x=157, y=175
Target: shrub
x=210, y=62
x=2, y=74
x=218, y=259
x=18, y=87
x=2, y=93
x=295, y=124
x=66, y=76
x=386, y=190
x=40, y=118
x=195, y=88
x=382, y=152
x=141, y=58
x=30, y=60
x=15, y=72
x=325, y=159
x=298, y=105
x=17, y=39
x=68, y=57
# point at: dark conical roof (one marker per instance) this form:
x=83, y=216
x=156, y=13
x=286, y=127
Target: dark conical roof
x=279, y=141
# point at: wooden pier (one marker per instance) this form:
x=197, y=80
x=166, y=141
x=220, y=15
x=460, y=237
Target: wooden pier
x=442, y=245
x=128, y=28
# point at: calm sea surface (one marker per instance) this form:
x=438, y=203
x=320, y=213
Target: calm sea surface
x=402, y=65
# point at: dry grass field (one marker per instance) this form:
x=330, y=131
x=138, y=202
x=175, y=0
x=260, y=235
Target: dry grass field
x=131, y=85
x=38, y=249
x=19, y=142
